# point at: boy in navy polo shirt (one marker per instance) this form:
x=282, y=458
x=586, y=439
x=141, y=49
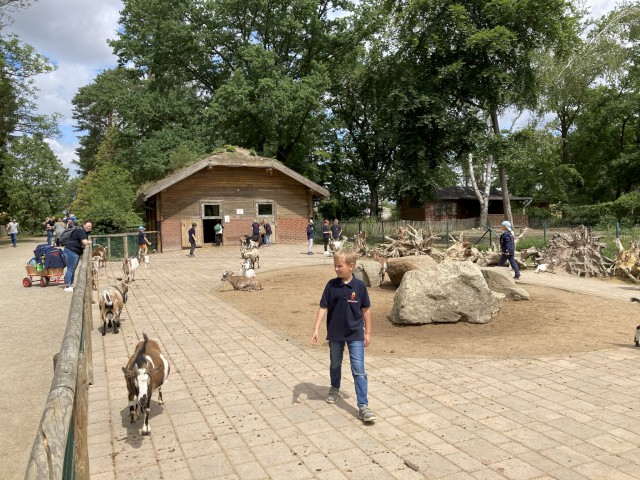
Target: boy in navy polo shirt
x=345, y=302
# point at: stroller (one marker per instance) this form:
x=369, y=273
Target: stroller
x=48, y=264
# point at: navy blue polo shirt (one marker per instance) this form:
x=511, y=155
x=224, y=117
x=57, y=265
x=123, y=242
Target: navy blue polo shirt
x=345, y=302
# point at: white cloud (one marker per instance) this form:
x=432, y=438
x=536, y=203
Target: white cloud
x=73, y=34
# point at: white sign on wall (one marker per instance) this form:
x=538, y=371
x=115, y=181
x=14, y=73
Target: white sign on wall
x=227, y=219
x=240, y=211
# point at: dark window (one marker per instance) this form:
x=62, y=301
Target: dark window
x=265, y=209
x=211, y=210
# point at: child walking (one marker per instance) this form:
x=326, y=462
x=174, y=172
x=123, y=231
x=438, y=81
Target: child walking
x=508, y=248
x=345, y=303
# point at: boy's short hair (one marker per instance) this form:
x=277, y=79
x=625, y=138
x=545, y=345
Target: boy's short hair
x=347, y=254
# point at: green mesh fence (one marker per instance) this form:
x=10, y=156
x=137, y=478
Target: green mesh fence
x=120, y=245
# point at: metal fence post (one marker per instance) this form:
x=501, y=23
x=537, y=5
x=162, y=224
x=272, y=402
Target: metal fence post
x=617, y=229
x=447, y=230
x=544, y=229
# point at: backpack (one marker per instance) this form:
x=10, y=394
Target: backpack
x=65, y=236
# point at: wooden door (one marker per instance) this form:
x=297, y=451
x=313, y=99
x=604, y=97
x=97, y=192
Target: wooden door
x=186, y=226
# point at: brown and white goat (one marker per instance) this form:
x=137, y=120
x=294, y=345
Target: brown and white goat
x=129, y=266
x=111, y=304
x=147, y=370
x=253, y=255
x=101, y=252
x=246, y=284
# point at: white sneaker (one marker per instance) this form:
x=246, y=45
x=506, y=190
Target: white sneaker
x=68, y=289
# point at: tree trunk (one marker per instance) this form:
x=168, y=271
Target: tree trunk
x=506, y=202
x=483, y=197
x=373, y=199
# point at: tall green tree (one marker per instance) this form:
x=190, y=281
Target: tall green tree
x=35, y=182
x=261, y=65
x=480, y=52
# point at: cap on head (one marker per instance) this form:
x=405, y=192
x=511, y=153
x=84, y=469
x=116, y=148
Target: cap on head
x=140, y=227
x=507, y=224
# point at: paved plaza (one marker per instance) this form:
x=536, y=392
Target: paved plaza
x=244, y=401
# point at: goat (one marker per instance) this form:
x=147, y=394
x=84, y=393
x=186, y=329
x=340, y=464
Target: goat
x=253, y=255
x=142, y=258
x=246, y=270
x=546, y=267
x=95, y=265
x=375, y=255
x=335, y=245
x=101, y=252
x=129, y=266
x=246, y=284
x=146, y=371
x=111, y=305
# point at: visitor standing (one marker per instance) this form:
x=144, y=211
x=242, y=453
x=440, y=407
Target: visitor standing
x=345, y=304
x=50, y=225
x=12, y=230
x=336, y=230
x=58, y=229
x=73, y=249
x=311, y=231
x=192, y=238
x=218, y=229
x=326, y=233
x=267, y=235
x=255, y=231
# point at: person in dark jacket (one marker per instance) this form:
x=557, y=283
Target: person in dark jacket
x=73, y=251
x=311, y=232
x=508, y=248
x=192, y=238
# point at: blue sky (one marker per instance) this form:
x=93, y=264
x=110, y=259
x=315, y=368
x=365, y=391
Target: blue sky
x=73, y=35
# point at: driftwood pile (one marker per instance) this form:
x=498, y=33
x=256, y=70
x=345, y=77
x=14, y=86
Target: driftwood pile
x=627, y=264
x=409, y=241
x=578, y=253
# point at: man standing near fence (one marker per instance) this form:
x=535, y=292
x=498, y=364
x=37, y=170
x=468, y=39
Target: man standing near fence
x=73, y=251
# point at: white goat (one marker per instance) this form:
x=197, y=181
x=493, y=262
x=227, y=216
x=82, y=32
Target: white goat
x=129, y=266
x=253, y=255
x=246, y=270
x=335, y=245
x=546, y=267
x=246, y=284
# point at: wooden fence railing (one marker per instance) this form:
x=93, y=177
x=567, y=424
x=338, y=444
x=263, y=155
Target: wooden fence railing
x=60, y=449
x=121, y=245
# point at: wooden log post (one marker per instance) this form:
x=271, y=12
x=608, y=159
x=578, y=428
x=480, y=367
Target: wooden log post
x=81, y=422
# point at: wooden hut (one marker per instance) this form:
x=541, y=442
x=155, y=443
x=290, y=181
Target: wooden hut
x=459, y=203
x=232, y=188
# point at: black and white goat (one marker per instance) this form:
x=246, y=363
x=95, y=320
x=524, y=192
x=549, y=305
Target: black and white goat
x=147, y=370
x=111, y=305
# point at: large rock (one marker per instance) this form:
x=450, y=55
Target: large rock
x=397, y=267
x=448, y=293
x=369, y=271
x=499, y=280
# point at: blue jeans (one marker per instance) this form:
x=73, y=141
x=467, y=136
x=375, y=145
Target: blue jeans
x=193, y=247
x=14, y=238
x=72, y=260
x=267, y=237
x=512, y=262
x=356, y=357
x=49, y=237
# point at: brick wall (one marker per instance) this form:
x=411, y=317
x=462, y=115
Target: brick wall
x=288, y=230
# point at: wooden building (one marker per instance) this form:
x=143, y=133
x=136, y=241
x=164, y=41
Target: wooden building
x=461, y=202
x=232, y=188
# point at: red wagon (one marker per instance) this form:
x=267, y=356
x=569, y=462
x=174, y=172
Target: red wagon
x=46, y=276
